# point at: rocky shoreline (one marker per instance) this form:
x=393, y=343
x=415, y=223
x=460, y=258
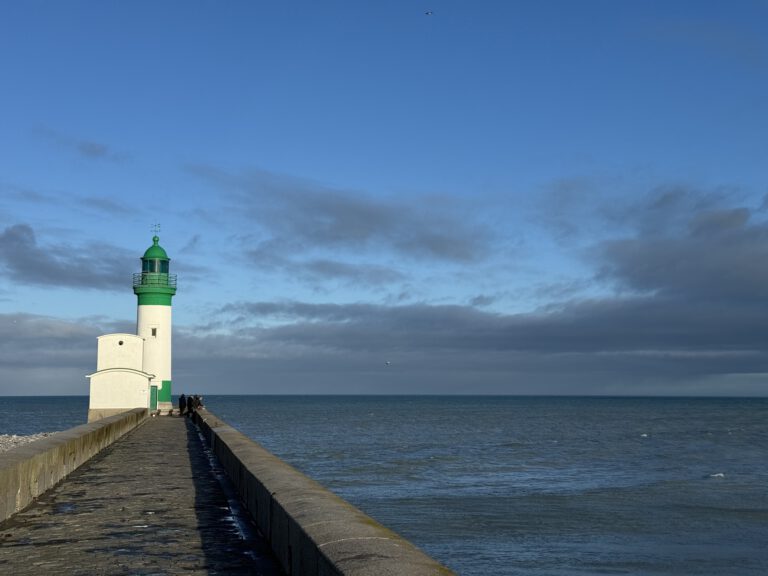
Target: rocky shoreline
x=9, y=441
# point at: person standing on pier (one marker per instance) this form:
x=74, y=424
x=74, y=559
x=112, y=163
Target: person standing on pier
x=182, y=404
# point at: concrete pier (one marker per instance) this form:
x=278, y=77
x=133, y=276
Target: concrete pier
x=165, y=498
x=135, y=509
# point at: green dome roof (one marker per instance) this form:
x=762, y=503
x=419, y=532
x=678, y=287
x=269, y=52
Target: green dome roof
x=155, y=252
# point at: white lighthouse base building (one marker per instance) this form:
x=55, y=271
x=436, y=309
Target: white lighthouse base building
x=120, y=382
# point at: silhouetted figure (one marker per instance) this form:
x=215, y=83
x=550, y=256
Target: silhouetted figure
x=182, y=404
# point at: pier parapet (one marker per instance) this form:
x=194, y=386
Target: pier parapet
x=311, y=530
x=28, y=471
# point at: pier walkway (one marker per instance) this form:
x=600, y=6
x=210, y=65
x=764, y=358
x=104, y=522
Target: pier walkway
x=152, y=503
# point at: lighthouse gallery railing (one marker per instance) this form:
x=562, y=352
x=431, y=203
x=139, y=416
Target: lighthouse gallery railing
x=154, y=279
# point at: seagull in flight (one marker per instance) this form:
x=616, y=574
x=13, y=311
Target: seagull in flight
x=428, y=13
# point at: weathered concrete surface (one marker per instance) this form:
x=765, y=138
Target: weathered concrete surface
x=94, y=415
x=311, y=530
x=29, y=470
x=149, y=504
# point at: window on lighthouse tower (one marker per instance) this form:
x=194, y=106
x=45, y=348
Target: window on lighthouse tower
x=154, y=266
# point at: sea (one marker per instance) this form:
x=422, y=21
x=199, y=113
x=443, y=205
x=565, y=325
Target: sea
x=521, y=485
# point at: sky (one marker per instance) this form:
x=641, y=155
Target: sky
x=393, y=197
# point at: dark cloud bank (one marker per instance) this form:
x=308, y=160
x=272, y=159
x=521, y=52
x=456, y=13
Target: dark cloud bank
x=96, y=266
x=687, y=315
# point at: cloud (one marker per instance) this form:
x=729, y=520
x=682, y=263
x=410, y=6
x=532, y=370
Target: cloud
x=268, y=256
x=566, y=207
x=89, y=149
x=690, y=305
x=99, y=203
x=636, y=325
x=92, y=149
x=191, y=245
x=689, y=308
x=28, y=195
x=687, y=316
x=40, y=341
x=482, y=300
x=692, y=247
x=364, y=274
x=617, y=346
x=668, y=209
x=47, y=355
x=296, y=216
x=99, y=266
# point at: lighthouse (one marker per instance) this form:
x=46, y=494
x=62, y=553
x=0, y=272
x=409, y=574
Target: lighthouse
x=134, y=370
x=155, y=287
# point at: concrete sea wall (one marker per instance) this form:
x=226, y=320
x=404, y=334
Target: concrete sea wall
x=28, y=471
x=311, y=530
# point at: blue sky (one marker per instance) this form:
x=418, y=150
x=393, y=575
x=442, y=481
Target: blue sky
x=498, y=197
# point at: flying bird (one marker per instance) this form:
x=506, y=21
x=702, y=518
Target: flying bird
x=428, y=13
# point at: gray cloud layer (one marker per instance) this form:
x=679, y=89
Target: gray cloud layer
x=693, y=249
x=688, y=317
x=639, y=345
x=636, y=346
x=94, y=203
x=690, y=306
x=644, y=326
x=319, y=232
x=97, y=266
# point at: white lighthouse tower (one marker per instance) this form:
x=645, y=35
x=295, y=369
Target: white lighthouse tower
x=155, y=287
x=134, y=370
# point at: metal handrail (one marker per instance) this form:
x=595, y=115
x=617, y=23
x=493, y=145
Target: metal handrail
x=154, y=279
